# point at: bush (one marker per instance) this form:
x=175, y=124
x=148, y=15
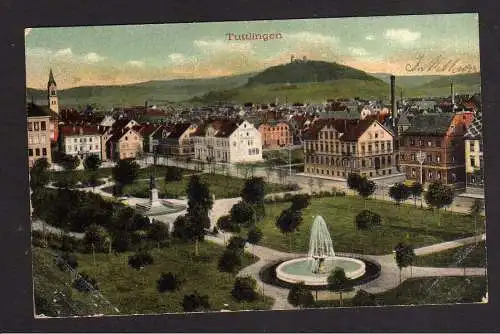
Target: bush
x=195, y=302
x=225, y=223
x=82, y=283
x=236, y=244
x=367, y=219
x=121, y=241
x=363, y=298
x=300, y=296
x=168, y=282
x=140, y=260
x=287, y=197
x=173, y=174
x=67, y=260
x=244, y=289
x=229, y=262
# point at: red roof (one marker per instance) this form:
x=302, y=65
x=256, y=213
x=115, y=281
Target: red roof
x=352, y=129
x=79, y=130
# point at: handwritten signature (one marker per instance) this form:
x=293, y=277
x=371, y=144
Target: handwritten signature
x=440, y=64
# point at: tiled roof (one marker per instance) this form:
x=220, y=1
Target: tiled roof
x=430, y=124
x=35, y=110
x=351, y=129
x=178, y=130
x=223, y=128
x=149, y=129
x=475, y=129
x=79, y=130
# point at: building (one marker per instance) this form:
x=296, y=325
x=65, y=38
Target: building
x=439, y=141
x=178, y=142
x=336, y=147
x=275, y=134
x=53, y=106
x=80, y=141
x=474, y=166
x=147, y=132
x=228, y=141
x=125, y=143
x=38, y=133
x=118, y=128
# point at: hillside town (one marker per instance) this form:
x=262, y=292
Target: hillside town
x=403, y=139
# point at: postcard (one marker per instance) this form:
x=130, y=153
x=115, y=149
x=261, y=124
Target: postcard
x=257, y=165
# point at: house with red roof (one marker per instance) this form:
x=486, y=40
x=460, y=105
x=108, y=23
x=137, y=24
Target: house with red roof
x=111, y=150
x=337, y=147
x=80, y=141
x=178, y=141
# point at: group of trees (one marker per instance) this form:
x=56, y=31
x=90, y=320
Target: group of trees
x=364, y=187
x=125, y=172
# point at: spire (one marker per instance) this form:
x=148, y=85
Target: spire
x=51, y=78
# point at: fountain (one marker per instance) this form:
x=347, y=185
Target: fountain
x=320, y=261
x=156, y=206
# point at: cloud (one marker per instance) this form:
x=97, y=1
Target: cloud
x=93, y=57
x=64, y=53
x=220, y=46
x=313, y=38
x=135, y=63
x=357, y=51
x=370, y=37
x=27, y=31
x=177, y=58
x=404, y=36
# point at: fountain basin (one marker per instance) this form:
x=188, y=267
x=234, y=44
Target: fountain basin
x=299, y=270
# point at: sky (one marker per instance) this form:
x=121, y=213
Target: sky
x=124, y=54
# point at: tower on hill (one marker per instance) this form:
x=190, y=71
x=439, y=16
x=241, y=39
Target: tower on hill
x=52, y=93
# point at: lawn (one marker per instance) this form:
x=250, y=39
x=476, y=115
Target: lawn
x=399, y=224
x=428, y=290
x=134, y=292
x=471, y=255
x=220, y=185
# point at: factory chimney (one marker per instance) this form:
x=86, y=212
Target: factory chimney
x=452, y=98
x=393, y=101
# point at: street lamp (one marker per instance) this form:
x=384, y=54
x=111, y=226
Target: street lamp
x=421, y=158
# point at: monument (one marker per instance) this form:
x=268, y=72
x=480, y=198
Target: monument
x=156, y=206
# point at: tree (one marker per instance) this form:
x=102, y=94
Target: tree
x=254, y=235
x=229, y=262
x=439, y=195
x=195, y=302
x=70, y=162
x=399, y=193
x=39, y=174
x=363, y=298
x=121, y=241
x=366, y=188
x=225, y=224
x=158, y=232
x=125, y=172
x=244, y=289
x=198, y=193
x=404, y=256
x=353, y=181
x=242, y=213
x=367, y=219
x=140, y=222
x=168, y=282
x=300, y=296
x=475, y=212
x=173, y=173
x=92, y=163
x=140, y=260
x=95, y=238
x=67, y=259
x=416, y=190
x=253, y=193
x=237, y=244
x=338, y=282
x=288, y=222
x=300, y=202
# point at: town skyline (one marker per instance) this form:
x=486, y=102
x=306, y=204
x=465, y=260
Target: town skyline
x=127, y=54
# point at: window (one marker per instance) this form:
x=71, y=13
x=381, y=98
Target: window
x=438, y=157
x=30, y=126
x=421, y=143
x=413, y=173
x=472, y=146
x=376, y=134
x=30, y=152
x=438, y=143
x=412, y=142
x=438, y=175
x=75, y=140
x=36, y=126
x=430, y=175
x=37, y=152
x=90, y=139
x=44, y=152
x=429, y=143
x=43, y=126
x=126, y=138
x=388, y=146
x=472, y=162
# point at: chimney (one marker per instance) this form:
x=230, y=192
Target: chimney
x=452, y=98
x=393, y=100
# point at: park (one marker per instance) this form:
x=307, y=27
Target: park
x=100, y=255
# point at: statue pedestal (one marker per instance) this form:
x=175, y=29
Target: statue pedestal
x=153, y=198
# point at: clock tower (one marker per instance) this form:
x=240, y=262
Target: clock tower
x=52, y=93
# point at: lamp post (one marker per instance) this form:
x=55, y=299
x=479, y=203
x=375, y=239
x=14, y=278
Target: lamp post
x=421, y=158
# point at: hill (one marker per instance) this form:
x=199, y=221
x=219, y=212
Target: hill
x=407, y=81
x=136, y=94
x=307, y=72
x=462, y=84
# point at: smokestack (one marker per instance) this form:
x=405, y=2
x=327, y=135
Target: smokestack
x=452, y=98
x=393, y=100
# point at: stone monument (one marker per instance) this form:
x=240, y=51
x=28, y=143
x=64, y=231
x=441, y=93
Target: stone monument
x=156, y=206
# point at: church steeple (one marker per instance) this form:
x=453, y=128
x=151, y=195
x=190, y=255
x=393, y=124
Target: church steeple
x=52, y=93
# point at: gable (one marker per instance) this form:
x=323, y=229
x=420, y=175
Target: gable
x=375, y=132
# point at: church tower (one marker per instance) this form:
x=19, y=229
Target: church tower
x=52, y=93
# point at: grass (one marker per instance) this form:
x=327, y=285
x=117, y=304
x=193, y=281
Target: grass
x=428, y=290
x=220, y=185
x=406, y=223
x=134, y=292
x=472, y=255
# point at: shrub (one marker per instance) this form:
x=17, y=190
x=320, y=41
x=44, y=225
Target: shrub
x=300, y=296
x=173, y=174
x=244, y=289
x=363, y=298
x=287, y=197
x=225, y=223
x=168, y=282
x=229, y=262
x=236, y=244
x=67, y=260
x=195, y=302
x=83, y=283
x=367, y=219
x=139, y=260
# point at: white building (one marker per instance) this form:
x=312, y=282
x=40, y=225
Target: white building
x=81, y=141
x=228, y=141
